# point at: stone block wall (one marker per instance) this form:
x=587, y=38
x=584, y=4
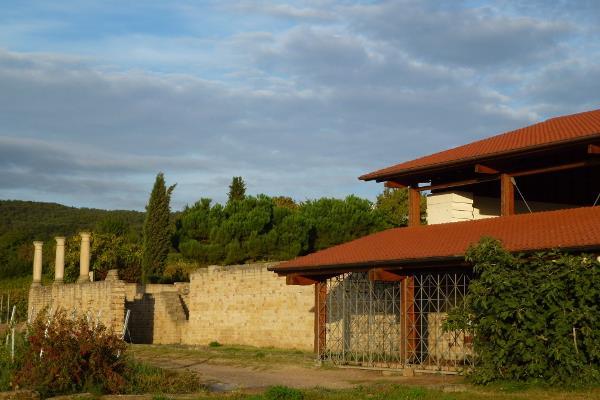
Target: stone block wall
x=462, y=206
x=158, y=312
x=249, y=305
x=243, y=304
x=104, y=300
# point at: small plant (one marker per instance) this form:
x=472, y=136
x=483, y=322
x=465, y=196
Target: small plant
x=283, y=393
x=214, y=344
x=260, y=354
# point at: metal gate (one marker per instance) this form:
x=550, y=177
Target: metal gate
x=395, y=324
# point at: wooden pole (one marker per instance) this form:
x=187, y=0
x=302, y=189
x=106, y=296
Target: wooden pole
x=320, y=324
x=414, y=206
x=507, y=195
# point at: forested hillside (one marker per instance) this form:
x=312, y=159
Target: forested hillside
x=21, y=222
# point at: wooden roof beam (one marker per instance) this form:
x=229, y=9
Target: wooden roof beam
x=484, y=169
x=382, y=275
x=594, y=149
x=296, y=279
x=395, y=185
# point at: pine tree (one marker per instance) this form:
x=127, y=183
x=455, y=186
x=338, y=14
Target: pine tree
x=237, y=189
x=157, y=233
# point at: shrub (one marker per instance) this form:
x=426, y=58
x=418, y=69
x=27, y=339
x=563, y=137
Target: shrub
x=535, y=317
x=68, y=355
x=214, y=344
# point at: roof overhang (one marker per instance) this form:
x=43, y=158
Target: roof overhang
x=409, y=173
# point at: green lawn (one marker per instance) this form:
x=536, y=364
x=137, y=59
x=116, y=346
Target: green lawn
x=395, y=392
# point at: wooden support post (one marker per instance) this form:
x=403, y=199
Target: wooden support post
x=414, y=206
x=320, y=318
x=507, y=195
x=409, y=319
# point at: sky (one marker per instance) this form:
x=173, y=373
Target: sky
x=299, y=98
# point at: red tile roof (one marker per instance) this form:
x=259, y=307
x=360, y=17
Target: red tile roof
x=553, y=131
x=577, y=228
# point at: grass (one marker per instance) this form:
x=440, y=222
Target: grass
x=227, y=355
x=270, y=358
x=144, y=378
x=397, y=392
x=18, y=290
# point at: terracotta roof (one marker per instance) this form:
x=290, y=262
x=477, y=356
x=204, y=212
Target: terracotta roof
x=576, y=228
x=553, y=131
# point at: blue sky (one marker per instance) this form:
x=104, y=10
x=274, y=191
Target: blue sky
x=298, y=97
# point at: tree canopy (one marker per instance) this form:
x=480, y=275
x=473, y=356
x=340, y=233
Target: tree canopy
x=265, y=228
x=157, y=232
x=237, y=189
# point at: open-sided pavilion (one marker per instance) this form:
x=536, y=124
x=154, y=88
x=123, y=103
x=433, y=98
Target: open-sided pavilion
x=381, y=300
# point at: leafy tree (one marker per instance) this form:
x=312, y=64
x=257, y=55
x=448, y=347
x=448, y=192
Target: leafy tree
x=237, y=189
x=533, y=317
x=393, y=203
x=336, y=221
x=264, y=228
x=107, y=251
x=157, y=232
x=285, y=202
x=112, y=225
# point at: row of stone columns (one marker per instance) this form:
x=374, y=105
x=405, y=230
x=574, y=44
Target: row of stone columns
x=59, y=263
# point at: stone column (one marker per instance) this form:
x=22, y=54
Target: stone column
x=84, y=258
x=37, y=263
x=59, y=261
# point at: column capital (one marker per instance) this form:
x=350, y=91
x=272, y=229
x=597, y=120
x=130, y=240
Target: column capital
x=38, y=243
x=85, y=235
x=60, y=240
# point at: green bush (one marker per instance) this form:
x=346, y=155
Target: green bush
x=535, y=317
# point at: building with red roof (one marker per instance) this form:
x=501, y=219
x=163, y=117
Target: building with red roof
x=380, y=301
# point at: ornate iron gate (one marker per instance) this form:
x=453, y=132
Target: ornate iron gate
x=395, y=324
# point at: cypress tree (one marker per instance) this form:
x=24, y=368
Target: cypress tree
x=237, y=189
x=157, y=233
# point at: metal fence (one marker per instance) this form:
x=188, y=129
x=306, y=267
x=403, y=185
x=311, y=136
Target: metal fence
x=395, y=324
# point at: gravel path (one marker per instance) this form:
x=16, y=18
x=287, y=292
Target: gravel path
x=224, y=377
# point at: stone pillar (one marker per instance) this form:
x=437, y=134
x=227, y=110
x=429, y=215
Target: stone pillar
x=37, y=263
x=59, y=261
x=84, y=258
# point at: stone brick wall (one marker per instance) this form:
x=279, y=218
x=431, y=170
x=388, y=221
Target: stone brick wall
x=249, y=305
x=158, y=313
x=103, y=299
x=243, y=304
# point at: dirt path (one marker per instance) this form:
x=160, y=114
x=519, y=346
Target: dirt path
x=225, y=375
